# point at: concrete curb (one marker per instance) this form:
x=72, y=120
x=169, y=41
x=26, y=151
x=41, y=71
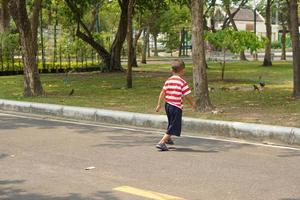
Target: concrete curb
x=257, y=132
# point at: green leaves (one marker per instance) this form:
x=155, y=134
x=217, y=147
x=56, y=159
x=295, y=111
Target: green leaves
x=235, y=41
x=9, y=43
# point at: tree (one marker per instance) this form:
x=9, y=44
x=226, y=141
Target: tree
x=115, y=51
x=203, y=102
x=283, y=18
x=267, y=58
x=145, y=44
x=130, y=44
x=4, y=16
x=227, y=4
x=148, y=14
x=173, y=24
x=111, y=58
x=138, y=32
x=155, y=29
x=234, y=41
x=28, y=36
x=293, y=14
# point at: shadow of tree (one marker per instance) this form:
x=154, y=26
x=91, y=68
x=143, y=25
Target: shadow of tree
x=290, y=154
x=8, y=191
x=125, y=138
x=13, y=123
x=3, y=155
x=183, y=144
x=191, y=150
x=290, y=199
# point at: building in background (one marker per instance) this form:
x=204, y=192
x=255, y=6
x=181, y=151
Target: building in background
x=244, y=20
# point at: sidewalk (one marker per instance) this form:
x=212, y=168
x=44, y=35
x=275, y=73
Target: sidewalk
x=247, y=131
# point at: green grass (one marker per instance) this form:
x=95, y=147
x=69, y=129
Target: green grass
x=273, y=105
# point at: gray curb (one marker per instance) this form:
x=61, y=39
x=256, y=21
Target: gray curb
x=257, y=132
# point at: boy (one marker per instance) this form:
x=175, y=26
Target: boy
x=175, y=88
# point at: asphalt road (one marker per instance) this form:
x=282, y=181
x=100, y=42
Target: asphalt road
x=43, y=159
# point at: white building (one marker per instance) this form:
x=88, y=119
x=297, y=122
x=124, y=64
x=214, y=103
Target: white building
x=244, y=20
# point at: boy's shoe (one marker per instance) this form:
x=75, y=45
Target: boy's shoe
x=162, y=147
x=170, y=142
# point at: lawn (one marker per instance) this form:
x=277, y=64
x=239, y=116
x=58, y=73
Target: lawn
x=234, y=96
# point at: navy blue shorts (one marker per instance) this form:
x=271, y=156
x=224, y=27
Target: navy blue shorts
x=174, y=115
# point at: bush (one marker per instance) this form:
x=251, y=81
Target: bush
x=276, y=45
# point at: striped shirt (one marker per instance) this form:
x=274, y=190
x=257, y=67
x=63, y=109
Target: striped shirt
x=175, y=88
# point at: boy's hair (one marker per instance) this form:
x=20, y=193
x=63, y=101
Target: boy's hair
x=177, y=65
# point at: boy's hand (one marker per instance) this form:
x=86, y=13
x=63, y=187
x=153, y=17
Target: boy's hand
x=158, y=107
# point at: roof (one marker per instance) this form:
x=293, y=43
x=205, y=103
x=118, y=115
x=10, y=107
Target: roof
x=246, y=15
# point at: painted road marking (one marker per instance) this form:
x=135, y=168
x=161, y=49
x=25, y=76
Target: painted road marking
x=151, y=131
x=146, y=193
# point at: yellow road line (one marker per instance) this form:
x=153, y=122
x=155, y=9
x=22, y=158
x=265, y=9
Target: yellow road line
x=146, y=193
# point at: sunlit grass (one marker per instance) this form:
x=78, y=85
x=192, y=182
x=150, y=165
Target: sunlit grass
x=273, y=105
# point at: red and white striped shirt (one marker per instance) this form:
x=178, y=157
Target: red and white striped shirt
x=175, y=88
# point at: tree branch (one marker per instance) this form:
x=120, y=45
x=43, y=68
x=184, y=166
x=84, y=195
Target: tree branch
x=76, y=13
x=226, y=23
x=102, y=51
x=213, y=3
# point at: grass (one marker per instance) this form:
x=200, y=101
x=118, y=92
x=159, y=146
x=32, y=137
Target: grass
x=273, y=105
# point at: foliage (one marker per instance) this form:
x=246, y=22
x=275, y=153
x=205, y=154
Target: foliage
x=9, y=43
x=171, y=41
x=276, y=45
x=235, y=41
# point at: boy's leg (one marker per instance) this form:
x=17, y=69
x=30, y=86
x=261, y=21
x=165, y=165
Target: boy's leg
x=165, y=139
x=162, y=143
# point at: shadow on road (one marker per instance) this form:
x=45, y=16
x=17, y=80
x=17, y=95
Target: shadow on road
x=9, y=190
x=2, y=156
x=290, y=199
x=13, y=123
x=178, y=149
x=120, y=138
x=183, y=144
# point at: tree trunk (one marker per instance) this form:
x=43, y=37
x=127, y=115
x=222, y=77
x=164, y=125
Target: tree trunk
x=223, y=64
x=199, y=71
x=116, y=48
x=103, y=53
x=145, y=43
x=4, y=16
x=283, y=43
x=293, y=10
x=130, y=44
x=37, y=6
x=181, y=42
x=135, y=43
x=32, y=83
x=55, y=36
x=148, y=45
x=155, y=45
x=267, y=58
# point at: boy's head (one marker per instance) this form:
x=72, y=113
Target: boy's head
x=177, y=66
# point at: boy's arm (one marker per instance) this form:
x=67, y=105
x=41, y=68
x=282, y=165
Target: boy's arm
x=160, y=99
x=189, y=98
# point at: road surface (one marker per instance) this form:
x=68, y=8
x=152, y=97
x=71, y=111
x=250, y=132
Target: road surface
x=43, y=159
